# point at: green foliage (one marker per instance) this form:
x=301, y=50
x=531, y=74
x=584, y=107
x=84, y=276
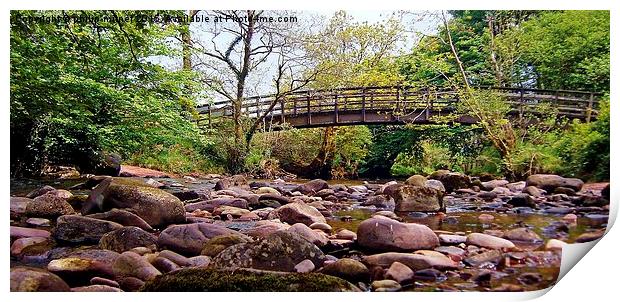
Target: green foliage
x=81, y=87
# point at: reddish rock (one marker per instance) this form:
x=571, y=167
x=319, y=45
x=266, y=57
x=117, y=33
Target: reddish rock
x=30, y=279
x=130, y=264
x=20, y=232
x=413, y=261
x=385, y=234
x=189, y=239
x=488, y=241
x=298, y=212
x=399, y=273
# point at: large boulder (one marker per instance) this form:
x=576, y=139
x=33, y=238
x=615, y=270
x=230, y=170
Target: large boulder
x=79, y=267
x=155, y=206
x=452, y=181
x=30, y=279
x=280, y=251
x=210, y=280
x=130, y=264
x=416, y=180
x=492, y=184
x=39, y=191
x=18, y=206
x=79, y=229
x=313, y=186
x=549, y=182
x=123, y=217
x=316, y=237
x=126, y=238
x=48, y=205
x=298, y=212
x=417, y=199
x=379, y=201
x=384, y=234
x=348, y=269
x=189, y=239
x=489, y=241
x=217, y=244
x=413, y=261
x=264, y=228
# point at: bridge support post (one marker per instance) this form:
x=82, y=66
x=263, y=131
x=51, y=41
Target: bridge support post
x=364, y=105
x=336, y=108
x=589, y=110
x=308, y=109
x=282, y=111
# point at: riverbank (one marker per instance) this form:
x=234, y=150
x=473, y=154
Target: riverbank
x=450, y=232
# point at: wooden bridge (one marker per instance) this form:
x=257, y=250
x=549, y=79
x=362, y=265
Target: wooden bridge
x=392, y=105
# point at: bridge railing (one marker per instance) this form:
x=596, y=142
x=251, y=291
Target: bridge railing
x=401, y=100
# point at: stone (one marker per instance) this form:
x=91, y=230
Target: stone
x=379, y=201
x=492, y=256
x=269, y=198
x=219, y=243
x=452, y=181
x=429, y=274
x=126, y=238
x=155, y=206
x=501, y=191
x=48, y=205
x=399, y=273
x=488, y=241
x=522, y=235
x=533, y=191
x=564, y=190
x=79, y=229
x=522, y=200
x=165, y=265
x=265, y=190
x=346, y=234
x=103, y=281
x=189, y=239
x=348, y=269
x=39, y=191
x=130, y=283
x=487, y=195
x=228, y=210
x=305, y=266
x=21, y=232
x=199, y=261
x=280, y=251
x=413, y=261
x=317, y=238
x=452, y=239
x=80, y=266
x=492, y=184
x=416, y=180
x=321, y=226
x=176, y=258
x=22, y=243
x=385, y=286
x=18, y=206
x=245, y=280
x=30, y=279
x=417, y=199
x=388, y=214
x=384, y=234
x=570, y=218
x=313, y=186
x=130, y=264
x=554, y=244
x=435, y=184
x=96, y=288
x=38, y=222
x=297, y=212
x=123, y=217
x=486, y=217
x=264, y=228
x=590, y=236
x=549, y=182
x=516, y=187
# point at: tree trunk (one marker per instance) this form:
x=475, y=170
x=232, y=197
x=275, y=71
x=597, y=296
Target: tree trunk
x=321, y=165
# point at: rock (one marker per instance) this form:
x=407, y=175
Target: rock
x=487, y=195
x=264, y=228
x=385, y=286
x=269, y=198
x=176, y=258
x=30, y=279
x=385, y=234
x=533, y=191
x=313, y=186
x=348, y=269
x=20, y=232
x=549, y=182
x=22, y=243
x=189, y=239
x=307, y=233
x=590, y=236
x=305, y=266
x=130, y=264
x=416, y=180
x=429, y=274
x=506, y=287
x=413, y=261
x=492, y=184
x=38, y=222
x=40, y=191
x=48, y=205
x=455, y=253
x=64, y=194
x=486, y=217
x=219, y=243
x=522, y=200
x=210, y=205
x=605, y=192
x=79, y=229
x=130, y=283
x=199, y=261
x=452, y=181
x=417, y=199
x=346, y=234
x=435, y=184
x=501, y=191
x=379, y=201
x=265, y=190
x=530, y=278
x=210, y=280
x=228, y=210
x=452, y=239
x=516, y=187
x=570, y=218
x=165, y=265
x=156, y=207
x=18, y=206
x=280, y=251
x=492, y=256
x=126, y=238
x=554, y=244
x=488, y=241
x=79, y=267
x=297, y=212
x=399, y=273
x=388, y=214
x=123, y=217
x=106, y=163
x=96, y=288
x=522, y=235
x=321, y=226
x=564, y=190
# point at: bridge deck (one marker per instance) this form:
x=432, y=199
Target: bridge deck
x=392, y=105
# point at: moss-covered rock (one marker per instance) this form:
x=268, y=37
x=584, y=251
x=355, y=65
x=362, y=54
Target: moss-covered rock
x=219, y=243
x=202, y=279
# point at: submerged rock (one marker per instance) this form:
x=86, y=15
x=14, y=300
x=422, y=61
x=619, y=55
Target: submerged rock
x=204, y=279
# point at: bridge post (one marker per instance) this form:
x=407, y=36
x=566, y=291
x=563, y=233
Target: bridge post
x=589, y=110
x=363, y=104
x=308, y=108
x=429, y=105
x=521, y=102
x=209, y=114
x=336, y=108
x=282, y=111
